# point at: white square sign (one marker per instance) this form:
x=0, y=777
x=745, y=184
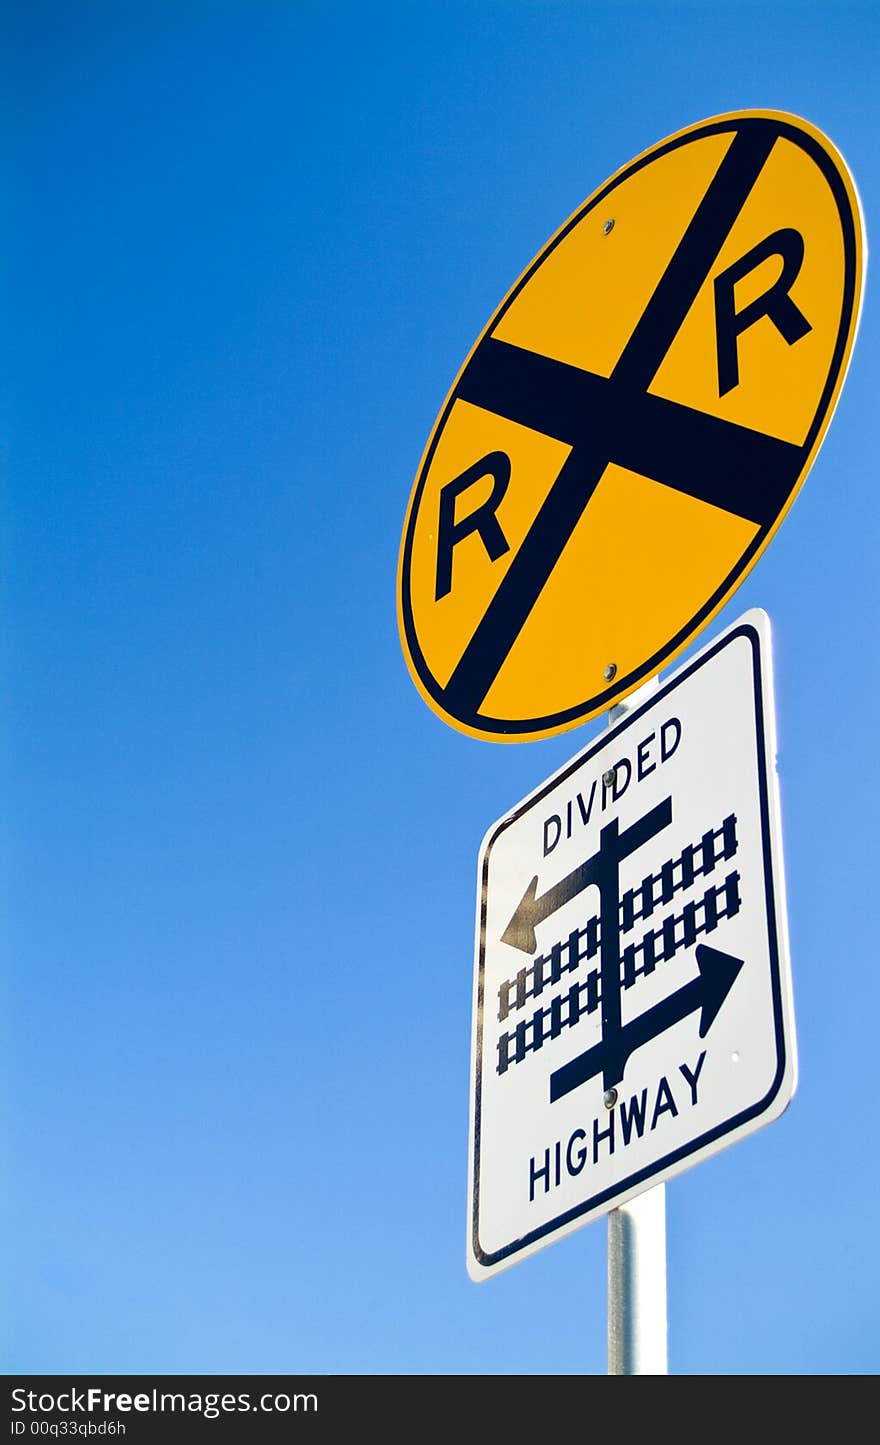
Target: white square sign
x=632, y=993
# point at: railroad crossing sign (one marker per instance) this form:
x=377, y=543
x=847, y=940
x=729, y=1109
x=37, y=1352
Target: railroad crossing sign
x=632, y=993
x=631, y=427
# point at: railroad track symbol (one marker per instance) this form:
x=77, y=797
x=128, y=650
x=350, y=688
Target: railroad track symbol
x=600, y=988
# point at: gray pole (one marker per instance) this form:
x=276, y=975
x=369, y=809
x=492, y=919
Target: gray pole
x=637, y=1251
x=637, y=1285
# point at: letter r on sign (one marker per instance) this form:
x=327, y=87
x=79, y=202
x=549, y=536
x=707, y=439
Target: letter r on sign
x=775, y=303
x=482, y=520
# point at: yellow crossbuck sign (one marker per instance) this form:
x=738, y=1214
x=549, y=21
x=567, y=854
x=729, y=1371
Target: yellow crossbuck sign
x=631, y=427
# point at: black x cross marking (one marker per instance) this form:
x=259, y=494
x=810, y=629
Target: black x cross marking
x=616, y=419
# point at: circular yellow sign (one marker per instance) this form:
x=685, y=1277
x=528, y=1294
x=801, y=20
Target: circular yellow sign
x=631, y=427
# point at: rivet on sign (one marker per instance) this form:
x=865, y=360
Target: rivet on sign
x=608, y=228
x=609, y=778
x=610, y=671
x=610, y=1098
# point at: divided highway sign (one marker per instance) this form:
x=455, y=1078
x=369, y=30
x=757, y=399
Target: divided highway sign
x=632, y=996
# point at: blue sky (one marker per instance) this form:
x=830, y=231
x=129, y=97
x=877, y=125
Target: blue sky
x=246, y=249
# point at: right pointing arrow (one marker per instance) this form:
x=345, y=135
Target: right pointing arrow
x=707, y=992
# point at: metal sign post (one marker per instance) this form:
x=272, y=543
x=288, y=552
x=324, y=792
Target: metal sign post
x=637, y=1286
x=637, y=1315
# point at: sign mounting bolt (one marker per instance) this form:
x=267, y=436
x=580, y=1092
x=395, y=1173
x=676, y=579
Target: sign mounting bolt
x=610, y=778
x=610, y=1098
x=608, y=227
x=610, y=671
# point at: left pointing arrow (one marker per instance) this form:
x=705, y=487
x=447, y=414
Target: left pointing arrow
x=532, y=910
x=707, y=992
